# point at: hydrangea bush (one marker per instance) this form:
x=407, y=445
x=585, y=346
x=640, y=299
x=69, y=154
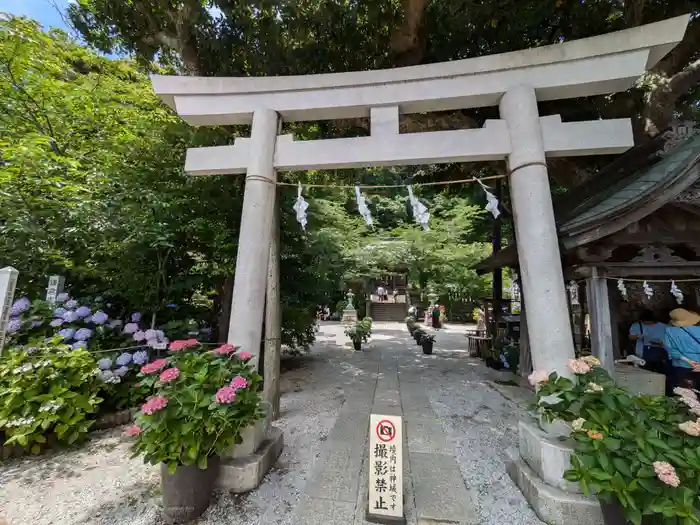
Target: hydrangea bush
x=201, y=401
x=640, y=451
x=47, y=393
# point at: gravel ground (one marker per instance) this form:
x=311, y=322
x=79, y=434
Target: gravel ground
x=100, y=484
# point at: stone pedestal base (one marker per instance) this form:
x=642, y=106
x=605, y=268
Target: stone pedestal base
x=640, y=381
x=244, y=474
x=537, y=468
x=349, y=316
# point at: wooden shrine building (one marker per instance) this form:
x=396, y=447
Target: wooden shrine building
x=637, y=219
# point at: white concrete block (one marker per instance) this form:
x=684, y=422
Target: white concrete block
x=640, y=381
x=244, y=474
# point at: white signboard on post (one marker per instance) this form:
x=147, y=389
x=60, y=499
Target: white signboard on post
x=385, y=501
x=56, y=285
x=8, y=281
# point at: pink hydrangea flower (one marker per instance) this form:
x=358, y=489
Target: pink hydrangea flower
x=245, y=355
x=133, y=431
x=692, y=428
x=666, y=473
x=224, y=349
x=579, y=367
x=154, y=405
x=176, y=346
x=225, y=395
x=537, y=377
x=155, y=366
x=171, y=374
x=239, y=382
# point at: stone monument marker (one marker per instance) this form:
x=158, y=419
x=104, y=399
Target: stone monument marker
x=55, y=288
x=8, y=281
x=385, y=501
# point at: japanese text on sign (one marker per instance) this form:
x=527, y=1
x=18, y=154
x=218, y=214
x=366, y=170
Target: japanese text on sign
x=385, y=473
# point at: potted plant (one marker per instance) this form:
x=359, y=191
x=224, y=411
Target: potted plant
x=640, y=455
x=426, y=341
x=418, y=333
x=410, y=324
x=357, y=334
x=366, y=324
x=201, y=402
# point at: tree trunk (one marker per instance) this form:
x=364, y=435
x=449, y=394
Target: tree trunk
x=225, y=296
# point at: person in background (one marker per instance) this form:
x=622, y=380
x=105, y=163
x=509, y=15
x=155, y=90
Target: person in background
x=380, y=292
x=648, y=336
x=682, y=342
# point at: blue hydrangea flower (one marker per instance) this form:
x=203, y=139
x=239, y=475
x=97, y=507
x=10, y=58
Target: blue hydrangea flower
x=121, y=371
x=99, y=317
x=140, y=357
x=124, y=359
x=56, y=322
x=131, y=328
x=67, y=333
x=13, y=326
x=58, y=312
x=36, y=324
x=160, y=335
x=79, y=344
x=70, y=316
x=139, y=336
x=172, y=305
x=83, y=311
x=115, y=323
x=136, y=317
x=104, y=364
x=151, y=334
x=62, y=297
x=71, y=304
x=105, y=375
x=83, y=334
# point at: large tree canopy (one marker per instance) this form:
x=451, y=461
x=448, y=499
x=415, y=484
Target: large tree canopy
x=267, y=37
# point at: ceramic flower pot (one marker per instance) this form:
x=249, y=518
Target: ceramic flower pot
x=357, y=345
x=187, y=492
x=427, y=347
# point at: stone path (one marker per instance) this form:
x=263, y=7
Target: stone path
x=458, y=426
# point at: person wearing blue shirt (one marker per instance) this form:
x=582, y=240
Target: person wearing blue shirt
x=648, y=336
x=682, y=342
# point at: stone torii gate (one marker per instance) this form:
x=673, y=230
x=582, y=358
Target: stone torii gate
x=515, y=82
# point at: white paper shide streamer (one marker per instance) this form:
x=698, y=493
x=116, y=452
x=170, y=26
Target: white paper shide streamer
x=491, y=200
x=420, y=212
x=362, y=207
x=300, y=207
x=573, y=292
x=621, y=287
x=676, y=292
x=648, y=290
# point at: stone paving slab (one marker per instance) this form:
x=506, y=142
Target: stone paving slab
x=317, y=511
x=440, y=492
x=426, y=435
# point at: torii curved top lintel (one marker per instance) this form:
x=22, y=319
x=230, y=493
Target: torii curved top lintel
x=597, y=65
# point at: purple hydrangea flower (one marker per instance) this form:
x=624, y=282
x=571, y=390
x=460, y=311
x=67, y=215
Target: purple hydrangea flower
x=67, y=333
x=62, y=297
x=13, y=326
x=70, y=316
x=171, y=305
x=79, y=344
x=21, y=305
x=99, y=317
x=139, y=336
x=131, y=328
x=83, y=334
x=121, y=371
x=160, y=335
x=36, y=324
x=124, y=359
x=151, y=334
x=104, y=364
x=83, y=311
x=58, y=312
x=56, y=322
x=136, y=317
x=105, y=375
x=115, y=323
x=140, y=357
x=71, y=303
x=152, y=342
